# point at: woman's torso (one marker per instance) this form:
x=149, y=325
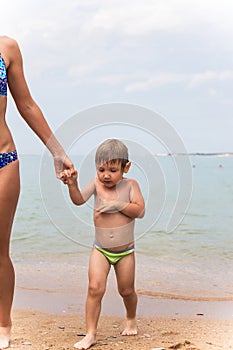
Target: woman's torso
x=6, y=140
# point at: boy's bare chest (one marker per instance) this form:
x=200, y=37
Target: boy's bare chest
x=118, y=193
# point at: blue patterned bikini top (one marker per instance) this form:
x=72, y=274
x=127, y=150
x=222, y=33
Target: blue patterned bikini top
x=3, y=77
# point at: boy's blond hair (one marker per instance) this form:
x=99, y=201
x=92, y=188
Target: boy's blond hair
x=112, y=150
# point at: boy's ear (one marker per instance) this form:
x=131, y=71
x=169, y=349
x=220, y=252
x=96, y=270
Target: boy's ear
x=126, y=169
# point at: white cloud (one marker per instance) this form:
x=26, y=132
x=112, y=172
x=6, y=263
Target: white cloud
x=138, y=18
x=210, y=76
x=80, y=38
x=115, y=79
x=201, y=78
x=80, y=34
x=133, y=17
x=146, y=81
x=212, y=92
x=156, y=81
x=124, y=47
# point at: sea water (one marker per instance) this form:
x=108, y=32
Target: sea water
x=195, y=258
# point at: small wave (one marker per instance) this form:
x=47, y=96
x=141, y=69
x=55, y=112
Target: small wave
x=22, y=237
x=181, y=297
x=37, y=289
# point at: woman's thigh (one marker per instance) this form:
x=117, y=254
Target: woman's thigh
x=9, y=194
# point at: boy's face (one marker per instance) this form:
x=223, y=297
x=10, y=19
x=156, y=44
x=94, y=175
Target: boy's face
x=111, y=173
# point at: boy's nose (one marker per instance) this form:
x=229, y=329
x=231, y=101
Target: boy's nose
x=106, y=176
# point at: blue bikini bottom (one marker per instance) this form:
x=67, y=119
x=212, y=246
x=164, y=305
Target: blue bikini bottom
x=7, y=158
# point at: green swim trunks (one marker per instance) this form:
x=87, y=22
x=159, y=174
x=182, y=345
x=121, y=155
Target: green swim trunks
x=114, y=257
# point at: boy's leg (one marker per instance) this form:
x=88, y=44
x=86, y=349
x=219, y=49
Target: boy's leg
x=98, y=272
x=125, y=274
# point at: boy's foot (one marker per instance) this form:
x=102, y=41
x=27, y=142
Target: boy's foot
x=130, y=327
x=5, y=333
x=86, y=342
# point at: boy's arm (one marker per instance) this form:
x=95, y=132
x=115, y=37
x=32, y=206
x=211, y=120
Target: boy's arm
x=133, y=209
x=71, y=180
x=136, y=207
x=78, y=196
x=75, y=194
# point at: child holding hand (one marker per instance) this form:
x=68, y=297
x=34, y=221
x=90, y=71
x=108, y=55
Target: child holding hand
x=118, y=201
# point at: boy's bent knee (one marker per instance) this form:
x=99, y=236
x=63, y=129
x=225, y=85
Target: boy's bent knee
x=96, y=291
x=127, y=292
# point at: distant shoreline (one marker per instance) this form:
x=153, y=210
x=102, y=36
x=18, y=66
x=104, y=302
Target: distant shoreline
x=222, y=154
x=216, y=154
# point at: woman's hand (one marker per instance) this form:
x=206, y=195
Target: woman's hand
x=62, y=163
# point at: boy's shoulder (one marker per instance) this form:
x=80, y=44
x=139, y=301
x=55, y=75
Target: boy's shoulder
x=130, y=180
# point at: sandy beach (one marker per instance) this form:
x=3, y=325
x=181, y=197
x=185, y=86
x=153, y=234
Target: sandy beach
x=46, y=319
x=175, y=313
x=49, y=312
x=41, y=331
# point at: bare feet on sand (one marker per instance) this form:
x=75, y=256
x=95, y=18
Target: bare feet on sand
x=86, y=342
x=130, y=327
x=5, y=333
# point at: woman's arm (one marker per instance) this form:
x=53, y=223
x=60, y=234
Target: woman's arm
x=29, y=109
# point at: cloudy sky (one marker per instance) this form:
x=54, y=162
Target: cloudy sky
x=174, y=57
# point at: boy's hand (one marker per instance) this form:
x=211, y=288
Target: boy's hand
x=111, y=206
x=69, y=177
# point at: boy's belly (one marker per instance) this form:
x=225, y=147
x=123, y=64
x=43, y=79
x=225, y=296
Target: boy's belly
x=114, y=234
